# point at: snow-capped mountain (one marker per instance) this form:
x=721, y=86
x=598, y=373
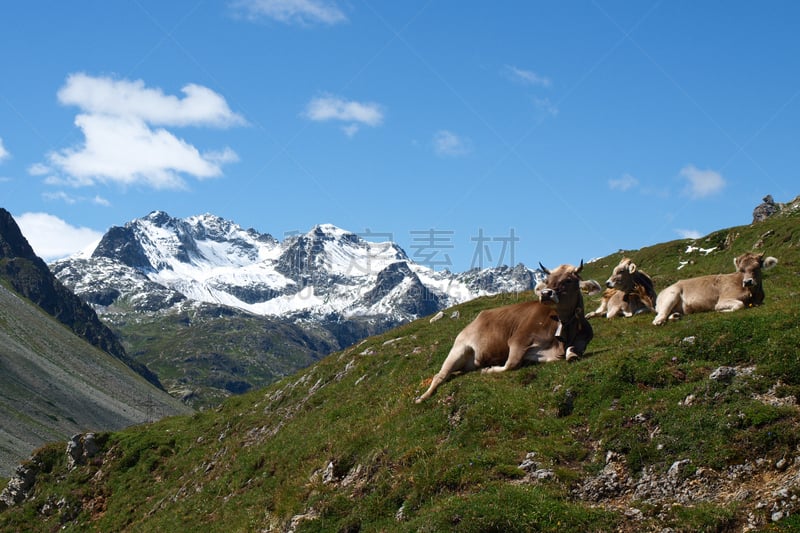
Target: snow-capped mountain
x=158, y=262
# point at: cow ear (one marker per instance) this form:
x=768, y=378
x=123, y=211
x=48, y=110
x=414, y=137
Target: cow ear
x=736, y=263
x=632, y=268
x=770, y=262
x=591, y=287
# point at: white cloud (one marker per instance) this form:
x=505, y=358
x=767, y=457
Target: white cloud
x=544, y=105
x=302, y=12
x=122, y=147
x=702, y=183
x=332, y=108
x=447, y=143
x=688, y=233
x=71, y=199
x=3, y=152
x=61, y=196
x=52, y=238
x=350, y=130
x=39, y=169
x=624, y=183
x=528, y=77
x=326, y=108
x=124, y=98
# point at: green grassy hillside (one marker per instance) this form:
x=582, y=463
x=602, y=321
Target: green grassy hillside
x=693, y=426
x=206, y=355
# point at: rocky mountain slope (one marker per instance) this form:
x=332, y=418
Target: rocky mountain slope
x=216, y=309
x=62, y=371
x=28, y=275
x=54, y=384
x=691, y=426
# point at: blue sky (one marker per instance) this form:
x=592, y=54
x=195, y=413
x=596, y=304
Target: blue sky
x=471, y=133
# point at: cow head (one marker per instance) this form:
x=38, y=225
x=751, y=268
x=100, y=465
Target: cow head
x=751, y=265
x=562, y=287
x=622, y=276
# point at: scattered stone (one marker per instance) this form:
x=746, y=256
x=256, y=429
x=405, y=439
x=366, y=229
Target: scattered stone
x=328, y=475
x=765, y=209
x=355, y=476
x=688, y=401
x=90, y=447
x=454, y=315
x=567, y=404
x=74, y=451
x=543, y=473
x=348, y=367
x=80, y=448
x=528, y=464
x=676, y=468
x=19, y=486
x=723, y=373
x=400, y=515
x=771, y=397
x=437, y=316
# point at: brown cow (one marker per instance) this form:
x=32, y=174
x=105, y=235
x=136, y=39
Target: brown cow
x=719, y=292
x=503, y=338
x=630, y=292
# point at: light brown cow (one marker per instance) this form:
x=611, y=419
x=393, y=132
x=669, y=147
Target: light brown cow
x=630, y=292
x=720, y=292
x=504, y=338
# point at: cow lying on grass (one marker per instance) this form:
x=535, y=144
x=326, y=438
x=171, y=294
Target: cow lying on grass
x=630, y=292
x=720, y=292
x=537, y=331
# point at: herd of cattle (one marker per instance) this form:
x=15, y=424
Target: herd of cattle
x=555, y=327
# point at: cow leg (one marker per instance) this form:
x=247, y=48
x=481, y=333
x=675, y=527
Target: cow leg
x=460, y=358
x=615, y=309
x=580, y=342
x=726, y=306
x=516, y=353
x=667, y=301
x=600, y=310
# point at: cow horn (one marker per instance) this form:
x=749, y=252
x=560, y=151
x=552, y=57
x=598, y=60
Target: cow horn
x=543, y=268
x=580, y=267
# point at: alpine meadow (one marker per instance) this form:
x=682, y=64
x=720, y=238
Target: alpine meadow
x=689, y=426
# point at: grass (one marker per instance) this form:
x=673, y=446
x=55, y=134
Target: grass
x=343, y=444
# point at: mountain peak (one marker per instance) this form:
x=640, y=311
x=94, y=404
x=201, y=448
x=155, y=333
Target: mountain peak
x=159, y=218
x=30, y=276
x=12, y=242
x=209, y=259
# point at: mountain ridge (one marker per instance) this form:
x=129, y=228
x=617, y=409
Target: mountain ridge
x=62, y=371
x=322, y=290
x=30, y=276
x=205, y=258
